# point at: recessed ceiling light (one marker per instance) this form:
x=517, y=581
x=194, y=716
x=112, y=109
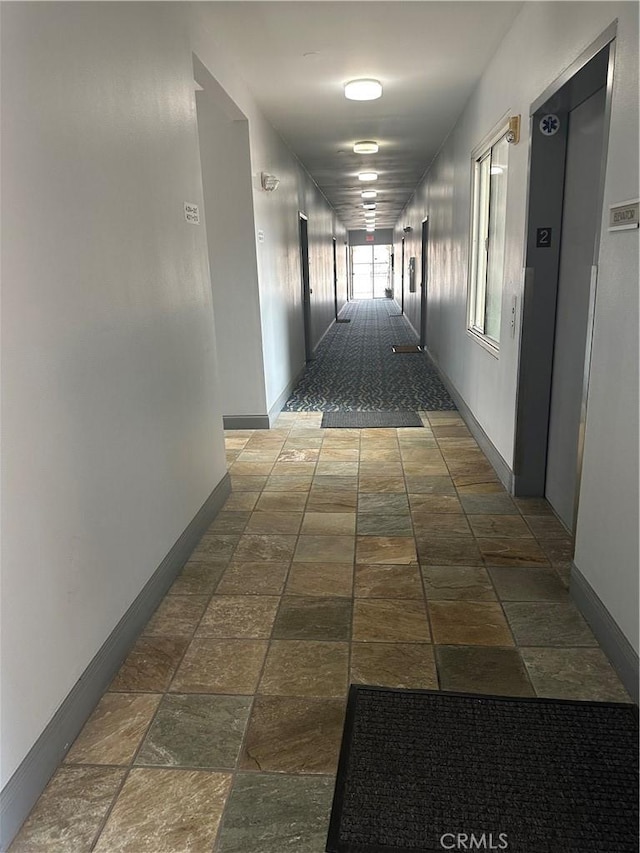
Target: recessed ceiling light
x=365, y=148
x=370, y=215
x=369, y=194
x=368, y=176
x=371, y=228
x=369, y=206
x=363, y=90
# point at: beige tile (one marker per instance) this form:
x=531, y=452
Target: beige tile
x=293, y=469
x=114, y=731
x=451, y=583
x=274, y=522
x=379, y=581
x=276, y=548
x=326, y=500
x=166, y=811
x=445, y=551
x=253, y=578
x=433, y=503
x=324, y=549
x=250, y=469
x=247, y=484
x=198, y=579
x=281, y=502
x=512, y=552
x=177, y=616
x=293, y=735
x=326, y=579
x=306, y=668
x=288, y=483
x=239, y=616
x=329, y=523
x=388, y=550
x=308, y=454
x=374, y=483
x=150, y=665
x=70, y=811
x=392, y=621
x=501, y=526
x=220, y=666
x=469, y=623
x=215, y=548
x=427, y=523
x=241, y=501
x=401, y=665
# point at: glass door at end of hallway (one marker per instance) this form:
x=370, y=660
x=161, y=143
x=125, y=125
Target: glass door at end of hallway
x=370, y=271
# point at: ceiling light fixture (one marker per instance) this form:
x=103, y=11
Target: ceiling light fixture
x=368, y=176
x=369, y=194
x=369, y=206
x=365, y=148
x=370, y=228
x=363, y=90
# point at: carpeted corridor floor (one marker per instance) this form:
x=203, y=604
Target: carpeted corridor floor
x=355, y=368
x=382, y=556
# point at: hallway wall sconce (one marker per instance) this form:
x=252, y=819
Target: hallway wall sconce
x=364, y=89
x=268, y=182
x=513, y=134
x=407, y=229
x=368, y=176
x=366, y=148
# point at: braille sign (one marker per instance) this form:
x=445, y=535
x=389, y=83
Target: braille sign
x=192, y=213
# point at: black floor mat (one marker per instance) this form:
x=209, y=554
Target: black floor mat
x=427, y=770
x=369, y=420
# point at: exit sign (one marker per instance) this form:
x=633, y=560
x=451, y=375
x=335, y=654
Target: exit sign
x=369, y=238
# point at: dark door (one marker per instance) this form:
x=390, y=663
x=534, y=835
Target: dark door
x=335, y=278
x=306, y=289
x=402, y=278
x=423, y=284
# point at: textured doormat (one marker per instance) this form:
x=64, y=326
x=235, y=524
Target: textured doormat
x=400, y=348
x=369, y=420
x=424, y=770
x=343, y=320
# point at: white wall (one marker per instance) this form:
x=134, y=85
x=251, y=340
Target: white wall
x=544, y=40
x=226, y=179
x=112, y=435
x=276, y=214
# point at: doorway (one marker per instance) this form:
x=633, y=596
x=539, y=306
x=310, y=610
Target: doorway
x=423, y=284
x=568, y=155
x=306, y=286
x=370, y=271
x=335, y=279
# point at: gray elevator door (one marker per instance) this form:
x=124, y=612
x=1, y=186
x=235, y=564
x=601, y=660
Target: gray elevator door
x=580, y=219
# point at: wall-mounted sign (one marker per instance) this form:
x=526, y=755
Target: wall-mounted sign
x=412, y=275
x=543, y=238
x=623, y=216
x=370, y=238
x=549, y=125
x=192, y=213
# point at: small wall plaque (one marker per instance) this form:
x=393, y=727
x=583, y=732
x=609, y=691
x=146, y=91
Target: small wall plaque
x=192, y=213
x=623, y=216
x=543, y=238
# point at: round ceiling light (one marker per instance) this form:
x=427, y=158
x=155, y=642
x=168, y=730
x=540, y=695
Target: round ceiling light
x=368, y=176
x=371, y=206
x=365, y=148
x=370, y=216
x=371, y=228
x=363, y=90
x=369, y=194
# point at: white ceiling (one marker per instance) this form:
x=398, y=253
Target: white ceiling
x=427, y=54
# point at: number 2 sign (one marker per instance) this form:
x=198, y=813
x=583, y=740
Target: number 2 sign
x=543, y=238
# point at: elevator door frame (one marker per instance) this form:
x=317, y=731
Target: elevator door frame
x=545, y=209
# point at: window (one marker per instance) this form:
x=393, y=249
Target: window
x=488, y=227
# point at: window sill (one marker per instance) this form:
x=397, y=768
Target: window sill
x=486, y=343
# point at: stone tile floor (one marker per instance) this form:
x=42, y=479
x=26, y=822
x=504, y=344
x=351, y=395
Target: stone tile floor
x=391, y=557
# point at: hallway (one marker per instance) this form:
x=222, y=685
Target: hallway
x=355, y=369
x=389, y=557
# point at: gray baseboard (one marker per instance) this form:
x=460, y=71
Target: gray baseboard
x=275, y=410
x=618, y=649
x=29, y=780
x=246, y=421
x=500, y=466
